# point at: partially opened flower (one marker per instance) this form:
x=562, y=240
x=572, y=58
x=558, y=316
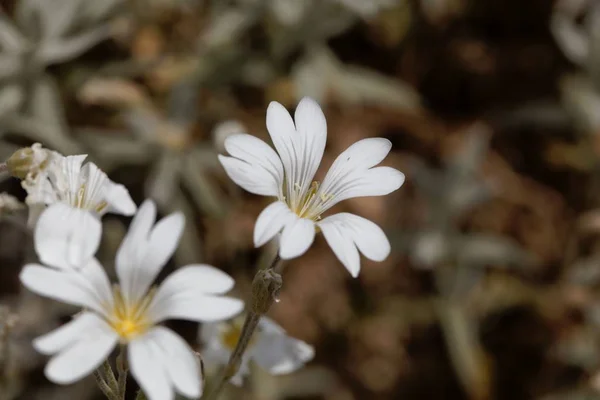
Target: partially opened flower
x=65, y=203
x=131, y=311
x=270, y=348
x=256, y=167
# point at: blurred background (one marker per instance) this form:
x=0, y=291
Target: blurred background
x=493, y=109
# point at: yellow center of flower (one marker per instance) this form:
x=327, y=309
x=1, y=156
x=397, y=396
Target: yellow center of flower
x=311, y=204
x=230, y=336
x=129, y=320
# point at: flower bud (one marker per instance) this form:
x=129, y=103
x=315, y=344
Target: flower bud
x=28, y=160
x=265, y=290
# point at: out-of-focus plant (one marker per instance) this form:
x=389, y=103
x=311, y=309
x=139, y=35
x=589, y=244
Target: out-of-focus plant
x=7, y=381
x=45, y=33
x=320, y=74
x=459, y=260
x=303, y=26
x=179, y=166
x=580, y=91
x=42, y=34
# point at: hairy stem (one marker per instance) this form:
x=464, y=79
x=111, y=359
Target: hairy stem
x=104, y=387
x=110, y=376
x=122, y=373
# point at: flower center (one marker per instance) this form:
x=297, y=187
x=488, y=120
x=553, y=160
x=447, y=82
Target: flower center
x=129, y=320
x=311, y=204
x=231, y=335
x=128, y=329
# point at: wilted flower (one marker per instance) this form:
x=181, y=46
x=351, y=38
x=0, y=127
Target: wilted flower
x=270, y=347
x=76, y=196
x=30, y=161
x=129, y=313
x=256, y=167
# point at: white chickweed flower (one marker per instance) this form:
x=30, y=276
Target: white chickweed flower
x=270, y=348
x=129, y=312
x=257, y=168
x=65, y=203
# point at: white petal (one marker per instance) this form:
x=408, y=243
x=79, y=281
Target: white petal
x=134, y=246
x=341, y=243
x=278, y=353
x=66, y=237
x=179, y=361
x=118, y=199
x=98, y=282
x=161, y=245
x=148, y=370
x=95, y=183
x=71, y=167
x=257, y=153
x=81, y=358
x=364, y=154
x=282, y=131
x=270, y=221
x=67, y=286
x=373, y=182
x=344, y=231
x=251, y=178
x=300, y=146
x=368, y=237
x=195, y=279
x=296, y=238
x=351, y=176
x=67, y=334
x=312, y=132
x=194, y=307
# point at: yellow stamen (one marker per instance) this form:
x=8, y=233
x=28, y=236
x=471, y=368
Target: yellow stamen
x=129, y=320
x=308, y=206
x=80, y=197
x=101, y=206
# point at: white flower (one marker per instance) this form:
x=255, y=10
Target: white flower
x=65, y=202
x=270, y=347
x=129, y=313
x=256, y=167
